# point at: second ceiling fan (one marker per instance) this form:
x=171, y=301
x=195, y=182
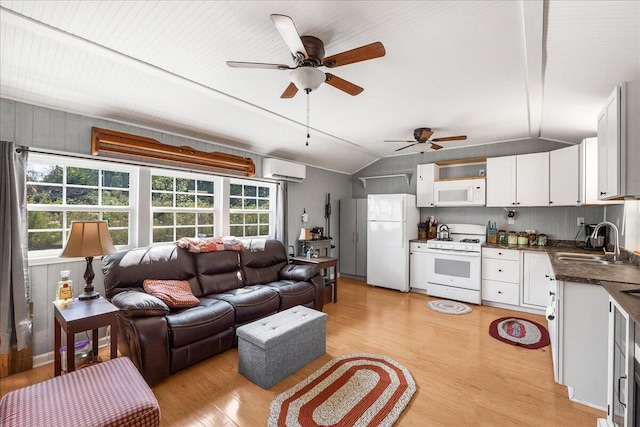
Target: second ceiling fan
x=308, y=54
x=422, y=135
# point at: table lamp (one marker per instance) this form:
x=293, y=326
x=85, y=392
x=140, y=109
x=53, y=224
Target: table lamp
x=88, y=239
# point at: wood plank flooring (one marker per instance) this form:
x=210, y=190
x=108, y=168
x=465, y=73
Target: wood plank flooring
x=463, y=376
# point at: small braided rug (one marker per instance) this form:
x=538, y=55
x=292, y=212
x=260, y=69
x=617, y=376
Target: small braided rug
x=517, y=331
x=351, y=390
x=449, y=307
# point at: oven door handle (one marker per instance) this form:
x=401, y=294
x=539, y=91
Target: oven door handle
x=456, y=253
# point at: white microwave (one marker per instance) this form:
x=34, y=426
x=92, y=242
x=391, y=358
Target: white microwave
x=460, y=192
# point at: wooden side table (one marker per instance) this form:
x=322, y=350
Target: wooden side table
x=81, y=316
x=323, y=262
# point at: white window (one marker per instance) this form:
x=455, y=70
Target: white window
x=61, y=190
x=182, y=205
x=251, y=208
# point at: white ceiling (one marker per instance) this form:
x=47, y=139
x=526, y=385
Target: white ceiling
x=493, y=70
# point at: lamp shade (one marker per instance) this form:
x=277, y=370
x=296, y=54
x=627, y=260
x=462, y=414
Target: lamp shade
x=307, y=78
x=88, y=239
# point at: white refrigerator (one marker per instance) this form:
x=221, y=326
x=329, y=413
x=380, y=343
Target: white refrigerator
x=392, y=220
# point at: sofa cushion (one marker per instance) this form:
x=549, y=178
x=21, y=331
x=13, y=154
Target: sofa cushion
x=174, y=293
x=294, y=293
x=196, y=323
x=139, y=304
x=251, y=302
x=261, y=267
x=218, y=271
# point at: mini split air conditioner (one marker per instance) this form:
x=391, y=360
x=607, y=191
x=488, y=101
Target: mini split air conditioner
x=280, y=169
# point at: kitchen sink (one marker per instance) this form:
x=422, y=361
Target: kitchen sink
x=582, y=260
x=577, y=255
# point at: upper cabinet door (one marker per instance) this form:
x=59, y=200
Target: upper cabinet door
x=608, y=149
x=424, y=184
x=564, y=177
x=532, y=178
x=501, y=181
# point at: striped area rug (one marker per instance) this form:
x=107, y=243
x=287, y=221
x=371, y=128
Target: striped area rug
x=351, y=390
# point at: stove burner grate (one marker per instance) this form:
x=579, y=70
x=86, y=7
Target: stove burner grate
x=470, y=240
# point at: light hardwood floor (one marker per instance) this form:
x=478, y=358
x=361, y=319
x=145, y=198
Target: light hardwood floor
x=464, y=377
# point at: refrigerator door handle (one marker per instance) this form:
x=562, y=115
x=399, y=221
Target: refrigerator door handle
x=404, y=235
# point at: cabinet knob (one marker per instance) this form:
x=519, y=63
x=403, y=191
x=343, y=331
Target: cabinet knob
x=550, y=202
x=602, y=193
x=500, y=270
x=546, y=275
x=551, y=293
x=499, y=253
x=500, y=292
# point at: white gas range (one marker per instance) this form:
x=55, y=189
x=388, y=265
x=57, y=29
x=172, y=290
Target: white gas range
x=453, y=265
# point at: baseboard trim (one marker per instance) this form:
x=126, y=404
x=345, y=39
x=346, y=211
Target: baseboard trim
x=46, y=358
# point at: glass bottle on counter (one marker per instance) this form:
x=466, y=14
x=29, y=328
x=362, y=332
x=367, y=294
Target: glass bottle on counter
x=65, y=288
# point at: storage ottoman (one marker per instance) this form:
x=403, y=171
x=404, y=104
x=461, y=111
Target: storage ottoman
x=272, y=348
x=112, y=393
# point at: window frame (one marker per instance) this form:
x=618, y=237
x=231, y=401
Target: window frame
x=273, y=187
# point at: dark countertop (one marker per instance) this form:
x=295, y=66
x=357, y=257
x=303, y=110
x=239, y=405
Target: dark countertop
x=629, y=302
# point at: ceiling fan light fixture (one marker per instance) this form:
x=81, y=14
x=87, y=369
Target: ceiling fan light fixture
x=307, y=78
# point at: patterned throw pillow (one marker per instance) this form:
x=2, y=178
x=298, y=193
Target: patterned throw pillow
x=174, y=293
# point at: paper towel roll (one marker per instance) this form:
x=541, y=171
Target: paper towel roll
x=551, y=313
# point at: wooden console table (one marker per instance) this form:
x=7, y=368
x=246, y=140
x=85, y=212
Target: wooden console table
x=323, y=262
x=81, y=316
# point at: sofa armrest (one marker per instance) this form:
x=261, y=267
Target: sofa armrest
x=299, y=272
x=139, y=304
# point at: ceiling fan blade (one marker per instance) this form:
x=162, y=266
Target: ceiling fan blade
x=450, y=138
x=396, y=140
x=435, y=146
x=426, y=134
x=362, y=53
x=290, y=91
x=236, y=64
x=410, y=145
x=289, y=33
x=343, y=85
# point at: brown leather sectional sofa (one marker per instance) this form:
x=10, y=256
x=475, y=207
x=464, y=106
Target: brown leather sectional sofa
x=234, y=288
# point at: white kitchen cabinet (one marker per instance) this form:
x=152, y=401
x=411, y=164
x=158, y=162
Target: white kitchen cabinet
x=427, y=174
x=353, y=237
x=583, y=318
x=565, y=187
x=500, y=276
x=418, y=266
x=536, y=272
x=521, y=180
x=619, y=143
x=589, y=174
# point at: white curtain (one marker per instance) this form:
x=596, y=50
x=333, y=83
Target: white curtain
x=281, y=212
x=15, y=321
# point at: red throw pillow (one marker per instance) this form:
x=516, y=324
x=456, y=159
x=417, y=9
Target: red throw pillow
x=174, y=293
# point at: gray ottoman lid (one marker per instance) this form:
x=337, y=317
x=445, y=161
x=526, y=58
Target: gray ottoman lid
x=275, y=329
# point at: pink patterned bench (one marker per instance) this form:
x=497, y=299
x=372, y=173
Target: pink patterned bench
x=112, y=393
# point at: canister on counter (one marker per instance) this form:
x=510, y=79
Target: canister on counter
x=502, y=237
x=512, y=238
x=533, y=239
x=542, y=240
x=523, y=239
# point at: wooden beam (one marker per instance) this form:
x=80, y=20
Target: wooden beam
x=104, y=140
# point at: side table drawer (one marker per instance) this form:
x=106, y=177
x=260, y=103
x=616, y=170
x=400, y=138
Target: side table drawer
x=504, y=292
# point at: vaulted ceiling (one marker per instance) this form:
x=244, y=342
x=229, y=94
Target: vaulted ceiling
x=492, y=70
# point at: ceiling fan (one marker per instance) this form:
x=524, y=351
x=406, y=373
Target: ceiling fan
x=308, y=54
x=422, y=135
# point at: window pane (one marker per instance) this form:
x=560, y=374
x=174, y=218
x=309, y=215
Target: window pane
x=235, y=190
x=251, y=230
x=185, y=185
x=120, y=237
x=264, y=230
x=251, y=218
x=81, y=216
x=205, y=218
x=205, y=202
x=263, y=191
x=205, y=187
x=115, y=179
x=40, y=172
x=39, y=220
x=185, y=200
x=162, y=199
x=250, y=191
x=185, y=219
x=263, y=204
x=264, y=218
x=163, y=235
x=162, y=218
x=235, y=203
x=82, y=196
x=44, y=195
x=39, y=241
x=237, y=230
x=115, y=198
x=161, y=183
x=205, y=232
x=236, y=218
x=250, y=204
x=82, y=176
x=185, y=232
x=116, y=219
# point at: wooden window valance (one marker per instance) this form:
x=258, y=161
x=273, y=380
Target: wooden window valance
x=105, y=140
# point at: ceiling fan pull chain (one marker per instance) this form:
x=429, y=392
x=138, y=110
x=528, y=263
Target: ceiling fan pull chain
x=308, y=96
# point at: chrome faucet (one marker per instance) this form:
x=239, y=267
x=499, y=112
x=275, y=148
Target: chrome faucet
x=616, y=250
